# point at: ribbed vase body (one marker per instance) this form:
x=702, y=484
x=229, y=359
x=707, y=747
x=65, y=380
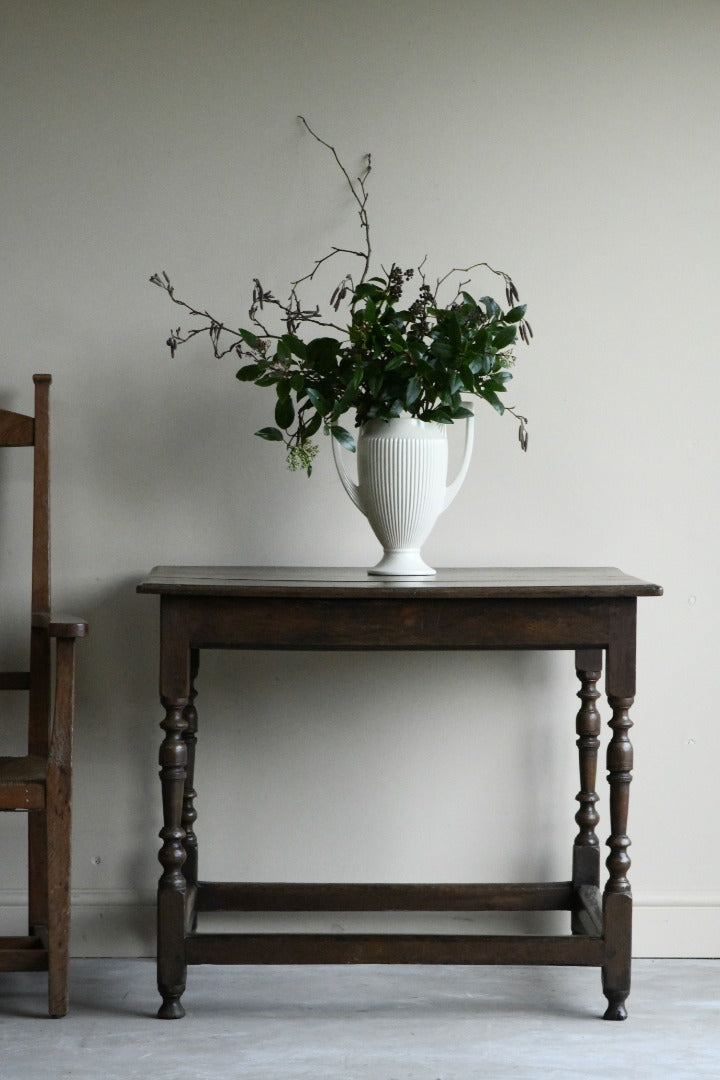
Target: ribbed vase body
x=402, y=477
x=402, y=486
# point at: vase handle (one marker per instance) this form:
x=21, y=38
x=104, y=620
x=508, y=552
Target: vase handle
x=453, y=488
x=352, y=488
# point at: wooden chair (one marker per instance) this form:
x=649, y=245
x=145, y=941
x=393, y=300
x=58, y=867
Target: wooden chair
x=40, y=781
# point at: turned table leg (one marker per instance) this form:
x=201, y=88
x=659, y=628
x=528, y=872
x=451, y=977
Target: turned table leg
x=586, y=850
x=617, y=901
x=172, y=886
x=189, y=813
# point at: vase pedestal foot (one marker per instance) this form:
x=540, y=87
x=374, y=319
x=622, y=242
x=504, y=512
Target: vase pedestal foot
x=406, y=563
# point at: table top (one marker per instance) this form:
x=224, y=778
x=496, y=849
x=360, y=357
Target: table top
x=344, y=582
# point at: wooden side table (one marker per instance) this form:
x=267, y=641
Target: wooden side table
x=588, y=611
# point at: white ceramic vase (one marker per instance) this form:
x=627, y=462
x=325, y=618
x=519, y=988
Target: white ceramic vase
x=402, y=486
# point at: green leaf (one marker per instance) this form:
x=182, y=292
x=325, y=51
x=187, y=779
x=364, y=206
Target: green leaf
x=505, y=336
x=297, y=347
x=282, y=349
x=318, y=400
x=368, y=289
x=250, y=339
x=496, y=385
x=322, y=352
x=313, y=425
x=452, y=327
x=480, y=340
x=266, y=380
x=413, y=391
x=482, y=365
x=490, y=306
x=343, y=437
x=439, y=416
x=491, y=397
x=284, y=412
x=271, y=434
x=443, y=350
x=374, y=380
x=415, y=349
x=356, y=379
x=516, y=314
x=249, y=373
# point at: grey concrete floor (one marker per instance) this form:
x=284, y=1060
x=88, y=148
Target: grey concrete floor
x=365, y=1023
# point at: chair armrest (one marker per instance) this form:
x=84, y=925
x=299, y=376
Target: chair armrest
x=60, y=626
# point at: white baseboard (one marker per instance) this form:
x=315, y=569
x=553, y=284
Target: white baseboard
x=676, y=925
x=105, y=922
x=121, y=923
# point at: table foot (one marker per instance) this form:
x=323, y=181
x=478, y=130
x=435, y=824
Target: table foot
x=171, y=1009
x=616, y=1007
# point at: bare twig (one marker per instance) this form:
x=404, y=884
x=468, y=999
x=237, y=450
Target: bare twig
x=319, y=262
x=468, y=269
x=360, y=195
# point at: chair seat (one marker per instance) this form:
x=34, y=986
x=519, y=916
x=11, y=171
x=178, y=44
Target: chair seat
x=22, y=783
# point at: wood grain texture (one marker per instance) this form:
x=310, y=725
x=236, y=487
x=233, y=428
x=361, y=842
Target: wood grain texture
x=393, y=949
x=339, y=582
x=272, y=896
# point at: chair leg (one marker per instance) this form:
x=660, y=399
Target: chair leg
x=37, y=872
x=58, y=846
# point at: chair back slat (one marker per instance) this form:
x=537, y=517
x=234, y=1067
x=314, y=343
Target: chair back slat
x=16, y=429
x=14, y=680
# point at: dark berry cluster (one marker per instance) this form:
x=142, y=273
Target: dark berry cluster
x=418, y=309
x=395, y=281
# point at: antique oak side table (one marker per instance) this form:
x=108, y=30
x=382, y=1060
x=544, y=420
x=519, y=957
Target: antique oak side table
x=589, y=611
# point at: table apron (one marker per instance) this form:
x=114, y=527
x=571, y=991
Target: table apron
x=270, y=623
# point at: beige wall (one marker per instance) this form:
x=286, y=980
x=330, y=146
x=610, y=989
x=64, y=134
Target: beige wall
x=574, y=144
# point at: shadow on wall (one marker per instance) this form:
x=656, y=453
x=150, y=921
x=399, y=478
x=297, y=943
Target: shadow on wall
x=117, y=804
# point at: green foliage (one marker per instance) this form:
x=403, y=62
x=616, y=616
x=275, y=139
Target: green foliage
x=418, y=359
x=387, y=358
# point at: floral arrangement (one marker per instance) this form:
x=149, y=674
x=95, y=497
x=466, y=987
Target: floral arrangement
x=385, y=358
